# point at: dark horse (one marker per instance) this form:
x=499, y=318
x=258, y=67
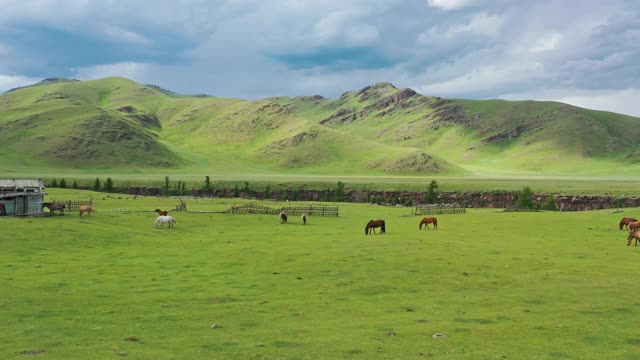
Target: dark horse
x=3, y=211
x=625, y=222
x=304, y=219
x=429, y=220
x=283, y=217
x=373, y=224
x=161, y=212
x=53, y=207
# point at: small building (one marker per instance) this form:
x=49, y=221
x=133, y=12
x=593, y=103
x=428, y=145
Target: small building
x=21, y=197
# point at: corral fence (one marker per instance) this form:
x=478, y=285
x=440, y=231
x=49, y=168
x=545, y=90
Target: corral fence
x=432, y=209
x=72, y=205
x=311, y=210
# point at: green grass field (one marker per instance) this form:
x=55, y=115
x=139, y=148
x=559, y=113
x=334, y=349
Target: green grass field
x=499, y=285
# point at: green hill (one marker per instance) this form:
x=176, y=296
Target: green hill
x=115, y=123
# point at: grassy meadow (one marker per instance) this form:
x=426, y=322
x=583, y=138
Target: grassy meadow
x=499, y=285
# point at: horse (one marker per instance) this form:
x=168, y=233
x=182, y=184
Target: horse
x=304, y=219
x=429, y=220
x=633, y=226
x=283, y=217
x=633, y=235
x=372, y=224
x=3, y=211
x=234, y=208
x=53, y=207
x=625, y=222
x=160, y=220
x=85, y=209
x=161, y=212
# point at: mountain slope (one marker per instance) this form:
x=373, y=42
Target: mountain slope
x=485, y=136
x=117, y=123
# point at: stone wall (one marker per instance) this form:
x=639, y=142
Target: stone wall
x=490, y=199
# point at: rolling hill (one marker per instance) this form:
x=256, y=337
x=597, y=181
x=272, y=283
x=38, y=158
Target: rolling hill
x=115, y=123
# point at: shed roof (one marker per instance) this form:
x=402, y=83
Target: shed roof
x=20, y=183
x=18, y=194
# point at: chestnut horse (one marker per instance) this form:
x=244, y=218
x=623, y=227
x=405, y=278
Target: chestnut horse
x=372, y=224
x=429, y=220
x=625, y=222
x=633, y=235
x=53, y=207
x=161, y=212
x=633, y=226
x=85, y=209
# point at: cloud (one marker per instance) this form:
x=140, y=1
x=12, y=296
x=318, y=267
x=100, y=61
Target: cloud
x=131, y=70
x=450, y=4
x=252, y=48
x=117, y=34
x=8, y=82
x=624, y=101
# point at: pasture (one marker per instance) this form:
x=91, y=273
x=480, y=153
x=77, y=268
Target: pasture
x=543, y=285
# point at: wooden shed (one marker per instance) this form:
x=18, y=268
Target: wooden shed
x=21, y=197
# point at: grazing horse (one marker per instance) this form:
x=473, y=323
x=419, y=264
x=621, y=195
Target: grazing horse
x=53, y=207
x=160, y=220
x=304, y=219
x=625, y=222
x=283, y=217
x=372, y=224
x=85, y=209
x=633, y=226
x=3, y=211
x=429, y=220
x=161, y=212
x=633, y=235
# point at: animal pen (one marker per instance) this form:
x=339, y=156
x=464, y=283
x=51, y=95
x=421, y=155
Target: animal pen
x=433, y=209
x=310, y=210
x=21, y=197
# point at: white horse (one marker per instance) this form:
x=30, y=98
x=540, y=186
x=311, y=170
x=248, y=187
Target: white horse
x=160, y=220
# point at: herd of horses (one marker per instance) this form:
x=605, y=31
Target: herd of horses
x=284, y=218
x=373, y=224
x=633, y=225
x=59, y=207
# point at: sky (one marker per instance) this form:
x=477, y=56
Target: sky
x=581, y=52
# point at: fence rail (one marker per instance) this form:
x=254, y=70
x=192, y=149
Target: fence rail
x=73, y=205
x=431, y=209
x=311, y=210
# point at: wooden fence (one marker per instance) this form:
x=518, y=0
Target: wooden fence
x=431, y=209
x=311, y=210
x=73, y=205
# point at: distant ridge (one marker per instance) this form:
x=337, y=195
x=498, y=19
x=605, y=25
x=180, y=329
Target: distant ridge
x=116, y=123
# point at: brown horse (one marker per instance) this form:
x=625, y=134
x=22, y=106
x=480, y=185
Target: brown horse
x=52, y=206
x=429, y=220
x=625, y=222
x=234, y=208
x=85, y=209
x=373, y=224
x=3, y=211
x=161, y=212
x=633, y=226
x=633, y=235
x=283, y=217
